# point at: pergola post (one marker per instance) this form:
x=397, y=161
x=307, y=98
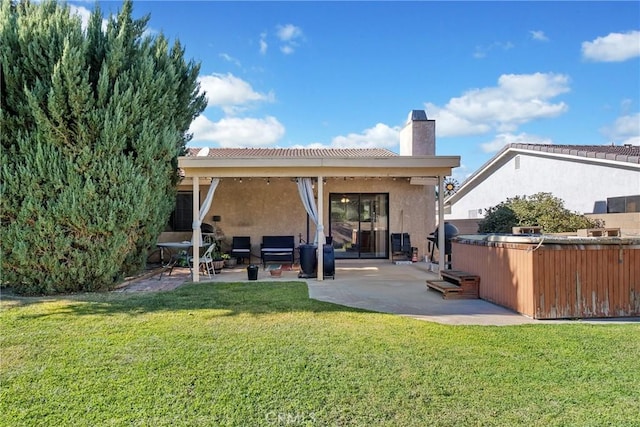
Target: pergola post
x=320, y=226
x=195, y=225
x=441, y=242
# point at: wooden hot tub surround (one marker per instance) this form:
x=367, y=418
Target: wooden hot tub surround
x=555, y=277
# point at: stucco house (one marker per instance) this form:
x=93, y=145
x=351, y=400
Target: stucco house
x=591, y=179
x=361, y=196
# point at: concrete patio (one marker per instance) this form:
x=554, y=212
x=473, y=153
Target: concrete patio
x=373, y=285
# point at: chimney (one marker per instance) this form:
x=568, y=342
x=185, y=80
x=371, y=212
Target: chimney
x=418, y=136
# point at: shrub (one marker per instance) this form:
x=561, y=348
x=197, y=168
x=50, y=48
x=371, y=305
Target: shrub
x=541, y=209
x=92, y=124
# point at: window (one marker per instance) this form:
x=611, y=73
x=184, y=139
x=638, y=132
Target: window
x=517, y=162
x=182, y=217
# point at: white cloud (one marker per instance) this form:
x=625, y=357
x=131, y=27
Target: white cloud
x=615, y=47
x=448, y=123
x=263, y=44
x=230, y=92
x=289, y=32
x=632, y=141
x=625, y=130
x=287, y=49
x=503, y=139
x=626, y=104
x=83, y=13
x=379, y=136
x=85, y=16
x=230, y=59
x=482, y=51
x=290, y=36
x=538, y=35
x=518, y=99
x=234, y=132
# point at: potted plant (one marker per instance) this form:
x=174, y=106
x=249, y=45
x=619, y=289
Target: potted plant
x=218, y=259
x=229, y=261
x=182, y=259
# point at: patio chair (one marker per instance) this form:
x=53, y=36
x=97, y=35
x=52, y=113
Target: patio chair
x=400, y=245
x=206, y=261
x=241, y=248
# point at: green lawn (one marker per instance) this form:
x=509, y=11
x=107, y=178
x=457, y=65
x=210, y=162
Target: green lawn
x=251, y=354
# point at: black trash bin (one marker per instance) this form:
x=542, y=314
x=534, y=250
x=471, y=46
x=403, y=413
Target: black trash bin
x=252, y=272
x=308, y=261
x=328, y=261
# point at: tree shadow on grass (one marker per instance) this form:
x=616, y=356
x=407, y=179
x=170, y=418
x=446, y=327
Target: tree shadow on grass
x=230, y=298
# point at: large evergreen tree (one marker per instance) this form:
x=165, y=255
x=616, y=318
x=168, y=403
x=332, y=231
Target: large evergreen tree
x=92, y=122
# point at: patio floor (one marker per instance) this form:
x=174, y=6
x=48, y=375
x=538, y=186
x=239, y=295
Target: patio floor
x=373, y=285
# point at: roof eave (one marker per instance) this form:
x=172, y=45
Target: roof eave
x=511, y=150
x=401, y=166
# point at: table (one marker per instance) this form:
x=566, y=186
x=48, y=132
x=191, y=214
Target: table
x=185, y=245
x=173, y=259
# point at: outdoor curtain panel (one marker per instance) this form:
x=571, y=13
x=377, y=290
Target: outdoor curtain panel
x=204, y=209
x=306, y=195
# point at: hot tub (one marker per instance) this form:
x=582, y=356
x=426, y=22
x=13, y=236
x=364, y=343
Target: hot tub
x=553, y=276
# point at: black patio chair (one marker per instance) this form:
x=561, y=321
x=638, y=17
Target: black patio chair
x=400, y=245
x=241, y=248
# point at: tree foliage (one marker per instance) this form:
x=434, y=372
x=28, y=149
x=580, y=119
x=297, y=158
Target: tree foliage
x=93, y=120
x=541, y=209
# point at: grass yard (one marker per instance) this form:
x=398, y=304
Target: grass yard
x=263, y=354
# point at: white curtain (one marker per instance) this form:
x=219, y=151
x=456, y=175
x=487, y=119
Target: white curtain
x=305, y=189
x=204, y=209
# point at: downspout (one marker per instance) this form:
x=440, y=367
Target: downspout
x=441, y=243
x=195, y=238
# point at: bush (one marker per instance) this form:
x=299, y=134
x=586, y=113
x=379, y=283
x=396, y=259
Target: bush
x=92, y=123
x=541, y=209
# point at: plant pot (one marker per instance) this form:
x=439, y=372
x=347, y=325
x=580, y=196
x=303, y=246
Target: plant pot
x=276, y=273
x=218, y=265
x=231, y=262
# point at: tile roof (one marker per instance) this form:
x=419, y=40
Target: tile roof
x=622, y=153
x=293, y=152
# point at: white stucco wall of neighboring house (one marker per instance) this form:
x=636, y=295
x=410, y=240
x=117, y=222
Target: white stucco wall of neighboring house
x=579, y=182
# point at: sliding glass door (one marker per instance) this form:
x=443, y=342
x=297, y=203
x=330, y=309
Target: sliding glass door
x=359, y=224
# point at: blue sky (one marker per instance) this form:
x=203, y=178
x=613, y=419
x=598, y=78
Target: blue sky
x=347, y=74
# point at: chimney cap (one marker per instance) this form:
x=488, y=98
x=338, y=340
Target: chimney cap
x=417, y=115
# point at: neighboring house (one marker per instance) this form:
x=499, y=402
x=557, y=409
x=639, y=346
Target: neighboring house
x=590, y=179
x=366, y=194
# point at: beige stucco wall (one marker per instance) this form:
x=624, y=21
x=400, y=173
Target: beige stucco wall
x=254, y=208
x=628, y=223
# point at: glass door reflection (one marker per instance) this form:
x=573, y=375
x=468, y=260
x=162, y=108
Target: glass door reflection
x=359, y=225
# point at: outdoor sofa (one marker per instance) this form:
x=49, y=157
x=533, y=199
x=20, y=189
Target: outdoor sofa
x=277, y=249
